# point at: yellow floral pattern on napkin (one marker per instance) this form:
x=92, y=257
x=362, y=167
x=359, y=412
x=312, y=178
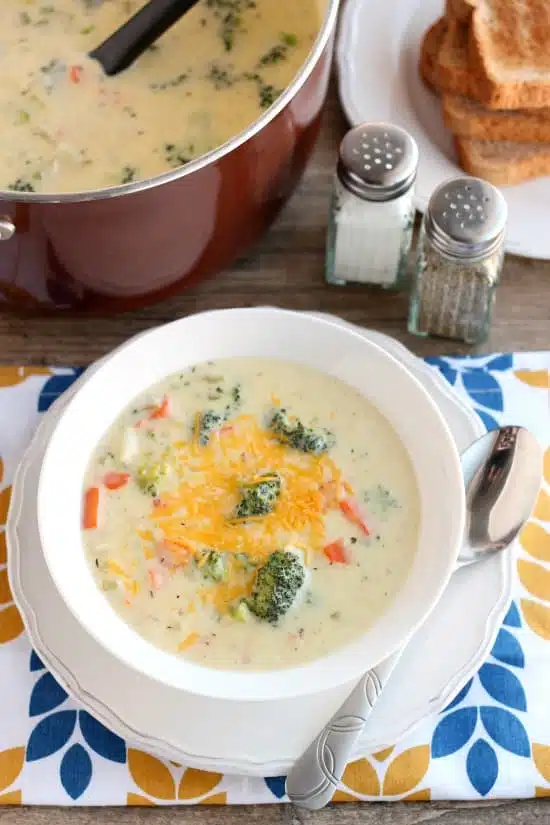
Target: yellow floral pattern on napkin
x=169, y=782
x=535, y=575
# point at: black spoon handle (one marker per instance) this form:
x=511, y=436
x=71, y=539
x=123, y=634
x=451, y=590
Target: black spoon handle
x=130, y=41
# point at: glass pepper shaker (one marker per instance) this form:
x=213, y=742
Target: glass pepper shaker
x=459, y=259
x=372, y=214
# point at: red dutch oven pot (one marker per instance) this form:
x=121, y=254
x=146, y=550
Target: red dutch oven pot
x=116, y=249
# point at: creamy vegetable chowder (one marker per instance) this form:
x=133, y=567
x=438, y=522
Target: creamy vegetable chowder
x=66, y=126
x=250, y=514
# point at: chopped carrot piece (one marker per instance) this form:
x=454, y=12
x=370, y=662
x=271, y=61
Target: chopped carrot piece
x=162, y=411
x=350, y=509
x=188, y=641
x=114, y=481
x=336, y=552
x=156, y=579
x=75, y=73
x=180, y=552
x=91, y=508
x=227, y=429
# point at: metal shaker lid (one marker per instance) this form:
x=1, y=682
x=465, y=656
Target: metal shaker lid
x=377, y=161
x=466, y=218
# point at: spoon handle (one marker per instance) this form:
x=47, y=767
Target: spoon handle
x=128, y=42
x=315, y=775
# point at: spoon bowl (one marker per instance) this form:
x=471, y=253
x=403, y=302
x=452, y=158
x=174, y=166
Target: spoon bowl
x=500, y=490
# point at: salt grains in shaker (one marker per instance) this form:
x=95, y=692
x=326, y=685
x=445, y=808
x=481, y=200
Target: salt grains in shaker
x=459, y=258
x=372, y=213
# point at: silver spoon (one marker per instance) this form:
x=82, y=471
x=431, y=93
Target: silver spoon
x=502, y=474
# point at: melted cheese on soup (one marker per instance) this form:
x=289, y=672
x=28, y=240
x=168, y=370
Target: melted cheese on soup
x=66, y=126
x=250, y=514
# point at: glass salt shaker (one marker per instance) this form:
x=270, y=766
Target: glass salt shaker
x=372, y=214
x=459, y=259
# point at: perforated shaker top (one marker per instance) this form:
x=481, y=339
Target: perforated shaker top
x=466, y=218
x=377, y=161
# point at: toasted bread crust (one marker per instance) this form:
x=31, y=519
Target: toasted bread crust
x=429, y=51
x=472, y=120
x=459, y=10
x=503, y=164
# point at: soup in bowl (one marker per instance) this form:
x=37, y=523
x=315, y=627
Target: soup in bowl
x=266, y=506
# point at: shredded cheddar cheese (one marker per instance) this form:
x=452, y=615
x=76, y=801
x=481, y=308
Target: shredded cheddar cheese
x=222, y=595
x=200, y=513
x=189, y=640
x=116, y=570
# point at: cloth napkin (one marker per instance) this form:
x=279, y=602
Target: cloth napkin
x=492, y=741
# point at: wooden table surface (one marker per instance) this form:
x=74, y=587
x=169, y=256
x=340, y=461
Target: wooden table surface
x=285, y=269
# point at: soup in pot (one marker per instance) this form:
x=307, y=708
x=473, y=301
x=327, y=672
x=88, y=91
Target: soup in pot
x=250, y=514
x=67, y=127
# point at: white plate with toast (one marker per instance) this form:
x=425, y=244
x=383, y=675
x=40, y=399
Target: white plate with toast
x=378, y=55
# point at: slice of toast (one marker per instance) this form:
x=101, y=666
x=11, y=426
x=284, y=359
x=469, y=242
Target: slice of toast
x=429, y=51
x=509, y=53
x=469, y=119
x=503, y=163
x=453, y=68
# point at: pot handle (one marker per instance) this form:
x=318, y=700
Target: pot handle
x=7, y=228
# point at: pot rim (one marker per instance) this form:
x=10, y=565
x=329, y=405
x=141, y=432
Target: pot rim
x=282, y=101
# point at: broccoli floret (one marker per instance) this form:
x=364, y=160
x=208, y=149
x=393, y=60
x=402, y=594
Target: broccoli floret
x=296, y=435
x=240, y=612
x=209, y=421
x=259, y=498
x=214, y=567
x=149, y=476
x=276, y=586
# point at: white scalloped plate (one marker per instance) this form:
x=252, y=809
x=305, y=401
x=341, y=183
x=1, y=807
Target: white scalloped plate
x=377, y=55
x=255, y=739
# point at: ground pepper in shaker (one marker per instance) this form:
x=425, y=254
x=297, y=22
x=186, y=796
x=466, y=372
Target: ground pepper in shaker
x=372, y=214
x=459, y=259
